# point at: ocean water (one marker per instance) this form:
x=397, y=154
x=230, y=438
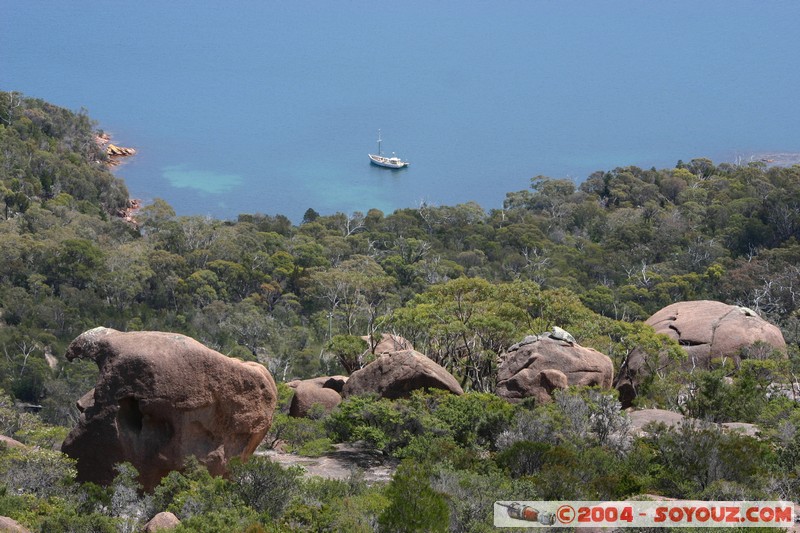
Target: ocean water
x=272, y=107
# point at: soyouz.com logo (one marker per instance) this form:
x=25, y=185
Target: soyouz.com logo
x=673, y=513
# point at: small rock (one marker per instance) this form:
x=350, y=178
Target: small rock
x=161, y=521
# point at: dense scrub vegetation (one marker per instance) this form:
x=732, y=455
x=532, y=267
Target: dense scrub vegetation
x=458, y=455
x=460, y=282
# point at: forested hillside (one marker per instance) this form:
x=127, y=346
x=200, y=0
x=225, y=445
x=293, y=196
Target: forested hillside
x=461, y=282
x=621, y=245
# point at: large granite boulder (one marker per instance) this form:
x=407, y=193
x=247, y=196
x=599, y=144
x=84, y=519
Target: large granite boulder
x=162, y=397
x=708, y=331
x=323, y=391
x=397, y=374
x=540, y=364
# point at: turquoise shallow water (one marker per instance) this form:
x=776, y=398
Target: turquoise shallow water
x=272, y=107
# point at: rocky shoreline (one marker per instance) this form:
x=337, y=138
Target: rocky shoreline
x=129, y=213
x=115, y=155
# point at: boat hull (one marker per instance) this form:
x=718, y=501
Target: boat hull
x=387, y=162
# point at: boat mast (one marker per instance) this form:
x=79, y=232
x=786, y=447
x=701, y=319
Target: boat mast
x=379, y=143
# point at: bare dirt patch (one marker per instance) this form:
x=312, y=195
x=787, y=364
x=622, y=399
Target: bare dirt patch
x=346, y=460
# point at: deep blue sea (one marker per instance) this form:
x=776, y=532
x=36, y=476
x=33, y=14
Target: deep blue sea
x=272, y=107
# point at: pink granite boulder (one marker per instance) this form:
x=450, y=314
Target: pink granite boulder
x=707, y=329
x=541, y=364
x=162, y=397
x=322, y=391
x=162, y=522
x=397, y=374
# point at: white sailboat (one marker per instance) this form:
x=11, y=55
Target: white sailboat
x=383, y=161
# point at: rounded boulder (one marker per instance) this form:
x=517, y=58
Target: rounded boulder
x=397, y=374
x=708, y=329
x=539, y=365
x=320, y=391
x=162, y=522
x=161, y=398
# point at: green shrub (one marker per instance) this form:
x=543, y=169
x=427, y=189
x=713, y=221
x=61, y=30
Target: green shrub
x=432, y=449
x=473, y=418
x=523, y=458
x=220, y=519
x=413, y=504
x=293, y=431
x=364, y=418
x=692, y=456
x=470, y=496
x=471, y=421
x=316, y=447
x=42, y=473
x=70, y=521
x=264, y=485
x=285, y=394
x=330, y=505
x=349, y=349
